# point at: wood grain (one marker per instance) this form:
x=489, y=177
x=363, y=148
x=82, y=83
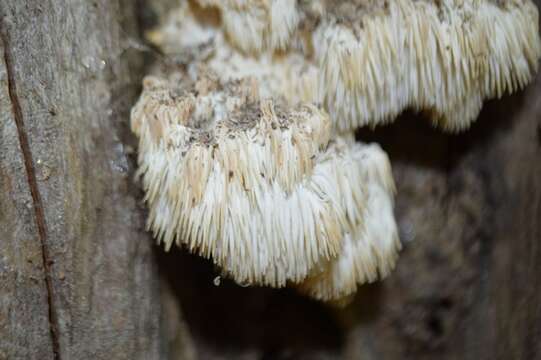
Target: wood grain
x=79, y=279
x=70, y=216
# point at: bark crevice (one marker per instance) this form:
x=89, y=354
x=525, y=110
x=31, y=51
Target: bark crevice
x=34, y=189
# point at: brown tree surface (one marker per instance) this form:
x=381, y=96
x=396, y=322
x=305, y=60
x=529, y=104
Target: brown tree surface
x=77, y=273
x=80, y=279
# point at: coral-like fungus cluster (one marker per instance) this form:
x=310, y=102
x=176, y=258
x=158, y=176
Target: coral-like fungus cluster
x=246, y=150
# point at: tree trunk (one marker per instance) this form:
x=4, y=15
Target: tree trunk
x=80, y=279
x=78, y=276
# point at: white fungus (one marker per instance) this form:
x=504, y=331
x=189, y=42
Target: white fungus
x=380, y=57
x=369, y=60
x=257, y=25
x=248, y=157
x=370, y=250
x=257, y=187
x=288, y=75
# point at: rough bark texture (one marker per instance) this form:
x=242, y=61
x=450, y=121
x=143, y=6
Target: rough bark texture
x=78, y=274
x=79, y=278
x=24, y=315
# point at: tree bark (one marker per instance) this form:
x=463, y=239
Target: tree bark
x=78, y=276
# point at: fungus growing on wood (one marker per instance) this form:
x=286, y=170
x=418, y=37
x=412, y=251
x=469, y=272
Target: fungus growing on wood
x=248, y=158
x=444, y=57
x=185, y=30
x=369, y=251
x=287, y=76
x=373, y=59
x=193, y=34
x=257, y=25
x=258, y=187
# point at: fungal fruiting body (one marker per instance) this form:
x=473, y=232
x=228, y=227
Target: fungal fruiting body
x=231, y=178
x=286, y=75
x=256, y=25
x=373, y=59
x=368, y=251
x=257, y=186
x=247, y=156
x=443, y=57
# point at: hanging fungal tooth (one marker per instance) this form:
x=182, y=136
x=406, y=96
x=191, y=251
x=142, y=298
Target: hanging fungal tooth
x=257, y=25
x=255, y=185
x=369, y=60
x=247, y=157
x=443, y=57
x=186, y=27
x=289, y=76
x=370, y=249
